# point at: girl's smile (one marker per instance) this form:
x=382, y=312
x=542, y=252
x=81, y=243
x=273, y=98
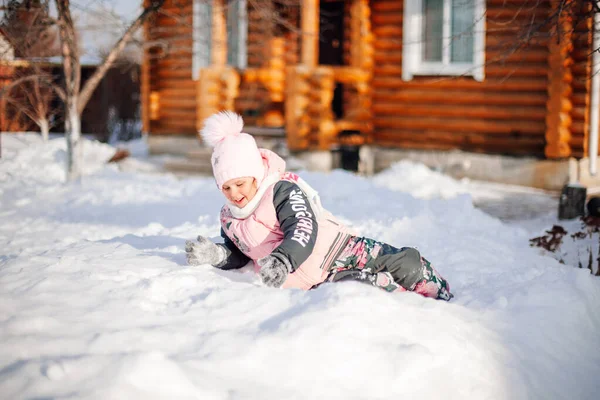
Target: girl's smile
x=240, y=191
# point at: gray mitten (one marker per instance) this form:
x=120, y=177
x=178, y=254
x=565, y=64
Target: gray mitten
x=204, y=252
x=273, y=271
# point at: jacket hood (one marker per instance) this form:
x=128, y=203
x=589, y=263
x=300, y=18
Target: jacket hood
x=272, y=162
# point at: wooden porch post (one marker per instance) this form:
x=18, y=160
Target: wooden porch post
x=145, y=80
x=310, y=32
x=560, y=78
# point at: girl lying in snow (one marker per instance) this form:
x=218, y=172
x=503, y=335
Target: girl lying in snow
x=275, y=219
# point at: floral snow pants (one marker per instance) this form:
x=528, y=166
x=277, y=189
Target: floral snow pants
x=389, y=268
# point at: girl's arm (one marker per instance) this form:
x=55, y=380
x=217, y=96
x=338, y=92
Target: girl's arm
x=234, y=258
x=297, y=222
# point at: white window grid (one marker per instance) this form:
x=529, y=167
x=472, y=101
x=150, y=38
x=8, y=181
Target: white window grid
x=237, y=38
x=412, y=46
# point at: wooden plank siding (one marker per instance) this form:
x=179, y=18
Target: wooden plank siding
x=503, y=114
x=169, y=72
x=506, y=113
x=581, y=85
x=170, y=69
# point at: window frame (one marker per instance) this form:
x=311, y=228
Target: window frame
x=202, y=26
x=412, y=44
x=201, y=47
x=239, y=9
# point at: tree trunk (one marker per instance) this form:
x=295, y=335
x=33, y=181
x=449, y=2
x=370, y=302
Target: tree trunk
x=74, y=144
x=44, y=125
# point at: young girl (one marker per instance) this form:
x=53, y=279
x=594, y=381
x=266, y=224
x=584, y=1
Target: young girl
x=275, y=219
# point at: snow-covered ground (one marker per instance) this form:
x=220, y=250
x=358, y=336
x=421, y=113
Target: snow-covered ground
x=96, y=301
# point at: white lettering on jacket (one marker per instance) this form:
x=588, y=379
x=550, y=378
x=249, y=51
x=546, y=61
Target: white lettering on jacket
x=304, y=227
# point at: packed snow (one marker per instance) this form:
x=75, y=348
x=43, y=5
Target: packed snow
x=97, y=302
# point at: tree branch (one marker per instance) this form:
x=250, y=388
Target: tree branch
x=91, y=84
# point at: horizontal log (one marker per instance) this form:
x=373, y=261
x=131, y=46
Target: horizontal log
x=250, y=104
x=418, y=136
x=167, y=114
x=533, y=149
x=184, y=103
x=177, y=52
x=157, y=31
x=408, y=144
x=379, y=19
x=461, y=83
x=512, y=128
x=578, y=143
x=386, y=6
x=179, y=92
x=515, y=70
x=582, y=54
x=580, y=113
x=175, y=19
x=444, y=140
x=525, y=57
x=578, y=127
x=504, y=40
x=185, y=85
x=172, y=54
x=169, y=62
x=515, y=16
x=388, y=31
x=580, y=69
x=172, y=73
x=176, y=124
x=416, y=96
x=491, y=71
x=477, y=112
x=387, y=57
x=387, y=44
x=580, y=99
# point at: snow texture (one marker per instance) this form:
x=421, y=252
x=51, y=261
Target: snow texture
x=97, y=302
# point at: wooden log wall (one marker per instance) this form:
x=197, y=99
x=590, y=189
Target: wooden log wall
x=254, y=99
x=167, y=67
x=11, y=120
x=560, y=79
x=253, y=96
x=505, y=114
x=169, y=70
x=582, y=71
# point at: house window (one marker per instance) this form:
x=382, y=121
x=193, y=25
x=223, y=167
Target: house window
x=443, y=37
x=202, y=35
x=237, y=34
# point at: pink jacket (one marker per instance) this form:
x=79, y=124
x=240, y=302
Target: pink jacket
x=310, y=242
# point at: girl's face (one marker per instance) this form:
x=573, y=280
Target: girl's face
x=240, y=191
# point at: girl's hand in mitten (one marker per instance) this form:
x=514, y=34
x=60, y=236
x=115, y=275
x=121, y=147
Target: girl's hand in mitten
x=273, y=272
x=204, y=252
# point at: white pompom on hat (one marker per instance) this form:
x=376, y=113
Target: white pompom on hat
x=235, y=153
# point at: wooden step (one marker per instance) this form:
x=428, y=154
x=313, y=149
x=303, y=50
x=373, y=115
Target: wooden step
x=188, y=167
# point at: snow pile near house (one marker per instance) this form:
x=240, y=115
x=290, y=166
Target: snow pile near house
x=27, y=157
x=96, y=301
x=409, y=176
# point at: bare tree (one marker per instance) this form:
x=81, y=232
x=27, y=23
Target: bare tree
x=75, y=97
x=30, y=35
x=32, y=95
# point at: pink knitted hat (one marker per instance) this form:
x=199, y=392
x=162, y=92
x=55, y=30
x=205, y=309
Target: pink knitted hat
x=235, y=154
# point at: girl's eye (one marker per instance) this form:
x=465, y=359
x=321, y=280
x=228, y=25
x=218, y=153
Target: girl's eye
x=239, y=184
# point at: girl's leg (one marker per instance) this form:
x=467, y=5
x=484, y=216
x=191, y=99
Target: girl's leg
x=389, y=268
x=411, y=271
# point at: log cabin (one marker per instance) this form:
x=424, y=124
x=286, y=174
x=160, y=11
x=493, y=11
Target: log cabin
x=488, y=76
